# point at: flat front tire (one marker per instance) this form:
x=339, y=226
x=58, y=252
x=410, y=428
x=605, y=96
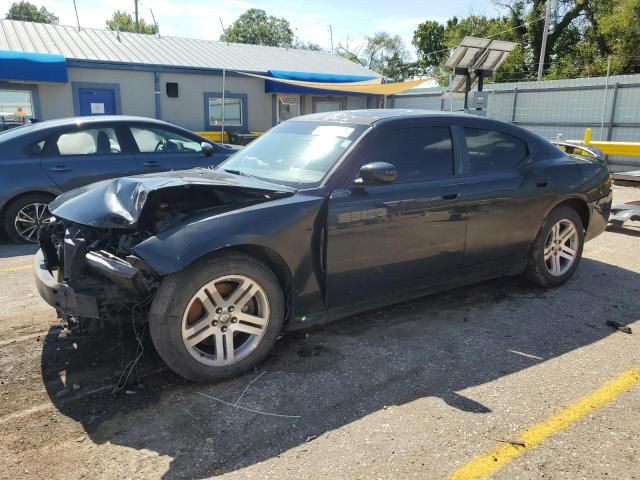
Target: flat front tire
x=218, y=318
x=557, y=249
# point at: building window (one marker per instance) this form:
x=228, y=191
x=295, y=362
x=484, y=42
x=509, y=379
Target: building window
x=288, y=107
x=16, y=105
x=232, y=112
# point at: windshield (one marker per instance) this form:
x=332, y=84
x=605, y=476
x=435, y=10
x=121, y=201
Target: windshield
x=295, y=153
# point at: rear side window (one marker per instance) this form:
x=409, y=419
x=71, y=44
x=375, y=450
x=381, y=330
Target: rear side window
x=94, y=141
x=491, y=151
x=419, y=153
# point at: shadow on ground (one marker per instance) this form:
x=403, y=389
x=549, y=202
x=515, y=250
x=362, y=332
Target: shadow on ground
x=335, y=374
x=9, y=250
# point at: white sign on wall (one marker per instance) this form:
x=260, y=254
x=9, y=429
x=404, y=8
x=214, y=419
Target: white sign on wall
x=97, y=108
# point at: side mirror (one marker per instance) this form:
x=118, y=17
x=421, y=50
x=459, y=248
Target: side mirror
x=376, y=173
x=207, y=149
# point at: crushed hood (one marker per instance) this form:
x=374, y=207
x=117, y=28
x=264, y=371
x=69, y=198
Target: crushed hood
x=118, y=203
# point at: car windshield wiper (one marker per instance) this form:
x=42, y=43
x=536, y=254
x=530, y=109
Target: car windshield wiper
x=245, y=174
x=240, y=172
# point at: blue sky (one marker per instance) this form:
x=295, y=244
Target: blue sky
x=310, y=19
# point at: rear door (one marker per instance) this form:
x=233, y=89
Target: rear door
x=161, y=149
x=77, y=156
x=504, y=196
x=399, y=237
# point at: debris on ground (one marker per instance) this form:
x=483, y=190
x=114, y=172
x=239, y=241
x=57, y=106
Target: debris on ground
x=619, y=326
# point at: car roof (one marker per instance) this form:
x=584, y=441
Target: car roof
x=371, y=116
x=89, y=120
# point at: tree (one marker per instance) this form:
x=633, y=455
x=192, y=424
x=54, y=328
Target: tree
x=257, y=28
x=124, y=22
x=381, y=53
x=301, y=45
x=29, y=13
x=430, y=42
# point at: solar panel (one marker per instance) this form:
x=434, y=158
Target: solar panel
x=475, y=55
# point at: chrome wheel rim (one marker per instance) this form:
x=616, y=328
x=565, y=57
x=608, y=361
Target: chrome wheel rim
x=561, y=247
x=28, y=220
x=225, y=320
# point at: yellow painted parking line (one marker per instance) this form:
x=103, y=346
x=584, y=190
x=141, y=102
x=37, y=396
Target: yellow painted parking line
x=16, y=268
x=491, y=462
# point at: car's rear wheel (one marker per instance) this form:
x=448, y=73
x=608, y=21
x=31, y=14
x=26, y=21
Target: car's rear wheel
x=218, y=318
x=24, y=216
x=557, y=249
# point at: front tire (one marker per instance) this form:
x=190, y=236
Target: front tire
x=557, y=249
x=24, y=215
x=217, y=318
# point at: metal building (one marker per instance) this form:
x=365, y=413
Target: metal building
x=52, y=71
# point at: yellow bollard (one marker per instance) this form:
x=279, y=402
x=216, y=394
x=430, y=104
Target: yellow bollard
x=587, y=136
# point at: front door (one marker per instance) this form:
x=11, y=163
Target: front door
x=400, y=237
x=97, y=101
x=160, y=149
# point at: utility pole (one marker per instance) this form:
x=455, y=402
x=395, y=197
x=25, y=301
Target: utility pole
x=545, y=33
x=331, y=36
x=155, y=23
x=77, y=18
x=137, y=21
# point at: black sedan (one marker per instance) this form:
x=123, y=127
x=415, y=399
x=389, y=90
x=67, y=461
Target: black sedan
x=41, y=160
x=324, y=216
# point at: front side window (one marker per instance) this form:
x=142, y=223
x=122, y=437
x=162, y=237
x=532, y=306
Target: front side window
x=295, y=153
x=491, y=151
x=232, y=112
x=151, y=140
x=418, y=153
x=93, y=141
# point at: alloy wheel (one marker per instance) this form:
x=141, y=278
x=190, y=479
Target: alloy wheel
x=28, y=220
x=225, y=320
x=561, y=247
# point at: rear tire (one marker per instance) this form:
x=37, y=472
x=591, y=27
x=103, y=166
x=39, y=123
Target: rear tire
x=23, y=216
x=557, y=249
x=218, y=318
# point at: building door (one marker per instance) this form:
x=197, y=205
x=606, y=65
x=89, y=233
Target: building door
x=97, y=101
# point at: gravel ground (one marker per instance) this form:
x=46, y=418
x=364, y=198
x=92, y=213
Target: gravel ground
x=411, y=391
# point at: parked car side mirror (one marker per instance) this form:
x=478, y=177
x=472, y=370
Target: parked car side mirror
x=377, y=173
x=207, y=149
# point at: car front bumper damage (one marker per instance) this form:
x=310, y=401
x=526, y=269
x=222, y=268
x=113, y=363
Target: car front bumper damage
x=83, y=284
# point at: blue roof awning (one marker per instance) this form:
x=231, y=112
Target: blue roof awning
x=32, y=67
x=278, y=87
x=318, y=77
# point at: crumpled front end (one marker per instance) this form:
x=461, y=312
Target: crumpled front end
x=87, y=267
x=88, y=275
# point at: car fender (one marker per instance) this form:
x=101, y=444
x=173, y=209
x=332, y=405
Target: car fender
x=291, y=227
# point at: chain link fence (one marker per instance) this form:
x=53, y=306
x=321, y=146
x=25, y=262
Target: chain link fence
x=554, y=108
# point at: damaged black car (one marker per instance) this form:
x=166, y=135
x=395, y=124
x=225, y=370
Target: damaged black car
x=325, y=216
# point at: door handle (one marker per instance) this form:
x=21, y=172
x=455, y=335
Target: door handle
x=151, y=163
x=450, y=195
x=60, y=168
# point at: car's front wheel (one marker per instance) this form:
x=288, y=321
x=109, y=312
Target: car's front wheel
x=24, y=215
x=217, y=318
x=557, y=249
